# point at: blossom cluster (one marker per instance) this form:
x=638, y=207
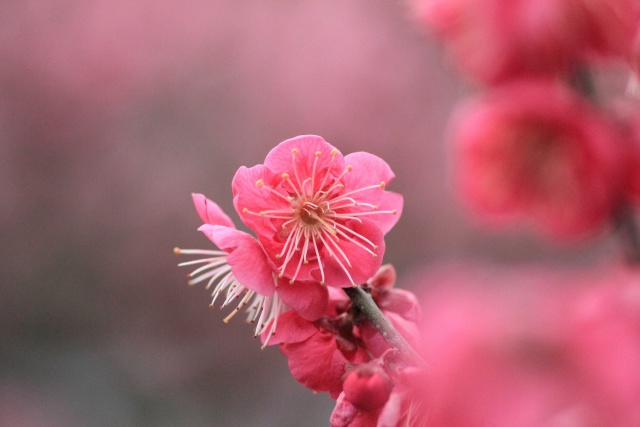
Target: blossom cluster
x=319, y=220
x=536, y=145
x=479, y=347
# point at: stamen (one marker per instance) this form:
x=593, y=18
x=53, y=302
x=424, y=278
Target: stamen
x=319, y=260
x=313, y=172
x=294, y=153
x=336, y=258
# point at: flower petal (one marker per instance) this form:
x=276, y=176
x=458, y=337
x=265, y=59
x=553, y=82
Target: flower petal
x=246, y=257
x=361, y=265
x=252, y=196
x=367, y=170
x=311, y=150
x=292, y=328
x=309, y=299
x=316, y=362
x=210, y=212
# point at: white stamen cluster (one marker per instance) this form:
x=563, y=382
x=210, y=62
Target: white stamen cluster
x=317, y=215
x=262, y=310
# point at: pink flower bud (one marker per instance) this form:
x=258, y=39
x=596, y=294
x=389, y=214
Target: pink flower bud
x=367, y=387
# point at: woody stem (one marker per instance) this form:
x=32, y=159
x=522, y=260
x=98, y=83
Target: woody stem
x=371, y=311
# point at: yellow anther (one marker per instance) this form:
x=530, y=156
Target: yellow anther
x=383, y=184
x=295, y=151
x=318, y=153
x=259, y=183
x=285, y=176
x=394, y=211
x=176, y=251
x=291, y=282
x=374, y=207
x=334, y=152
x=245, y=210
x=349, y=168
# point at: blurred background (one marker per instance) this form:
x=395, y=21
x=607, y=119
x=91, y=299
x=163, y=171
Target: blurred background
x=112, y=112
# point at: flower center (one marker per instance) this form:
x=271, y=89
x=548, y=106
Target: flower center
x=316, y=218
x=310, y=213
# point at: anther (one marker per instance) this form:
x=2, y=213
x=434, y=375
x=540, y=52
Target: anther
x=334, y=152
x=259, y=183
x=245, y=210
x=383, y=184
x=176, y=251
x=295, y=151
x=318, y=153
x=394, y=211
x=285, y=176
x=349, y=168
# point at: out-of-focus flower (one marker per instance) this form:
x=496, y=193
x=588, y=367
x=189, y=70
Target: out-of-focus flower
x=606, y=27
x=320, y=216
x=241, y=271
x=514, y=349
x=533, y=149
x=493, y=40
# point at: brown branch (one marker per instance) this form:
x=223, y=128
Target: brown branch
x=371, y=311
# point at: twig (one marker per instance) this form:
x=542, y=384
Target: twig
x=371, y=311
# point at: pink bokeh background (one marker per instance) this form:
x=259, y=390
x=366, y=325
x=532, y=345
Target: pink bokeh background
x=113, y=112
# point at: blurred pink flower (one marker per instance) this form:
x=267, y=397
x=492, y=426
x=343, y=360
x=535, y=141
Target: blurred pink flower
x=533, y=149
x=241, y=271
x=493, y=40
x=514, y=349
x=320, y=216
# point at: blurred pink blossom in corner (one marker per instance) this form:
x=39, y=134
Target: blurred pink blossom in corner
x=530, y=347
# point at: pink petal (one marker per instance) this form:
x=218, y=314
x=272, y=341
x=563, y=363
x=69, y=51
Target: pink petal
x=344, y=413
x=371, y=170
x=399, y=301
x=280, y=159
x=309, y=299
x=316, y=362
x=363, y=264
x=210, y=212
x=250, y=199
x=246, y=257
x=384, y=278
x=292, y=328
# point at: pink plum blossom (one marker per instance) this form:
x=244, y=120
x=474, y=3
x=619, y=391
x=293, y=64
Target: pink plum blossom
x=240, y=270
x=532, y=149
x=320, y=216
x=495, y=40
